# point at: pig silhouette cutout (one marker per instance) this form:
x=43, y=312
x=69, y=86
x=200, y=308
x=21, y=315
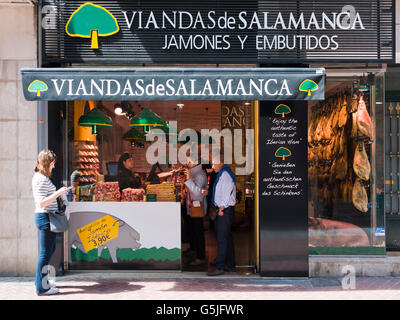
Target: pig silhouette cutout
x=127, y=236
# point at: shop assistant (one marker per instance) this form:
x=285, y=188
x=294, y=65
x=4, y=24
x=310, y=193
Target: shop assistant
x=126, y=178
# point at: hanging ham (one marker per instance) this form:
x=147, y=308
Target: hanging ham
x=354, y=127
x=364, y=122
x=361, y=164
x=335, y=120
x=341, y=166
x=343, y=115
x=354, y=104
x=310, y=131
x=342, y=142
x=359, y=197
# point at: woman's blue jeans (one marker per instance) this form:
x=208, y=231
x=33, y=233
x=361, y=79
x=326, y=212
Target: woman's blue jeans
x=47, y=246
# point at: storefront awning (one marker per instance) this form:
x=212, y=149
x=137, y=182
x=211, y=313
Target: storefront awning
x=120, y=84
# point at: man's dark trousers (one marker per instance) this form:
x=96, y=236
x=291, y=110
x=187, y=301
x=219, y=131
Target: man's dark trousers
x=226, y=253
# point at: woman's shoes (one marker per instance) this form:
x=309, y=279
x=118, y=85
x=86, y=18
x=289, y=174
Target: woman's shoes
x=50, y=292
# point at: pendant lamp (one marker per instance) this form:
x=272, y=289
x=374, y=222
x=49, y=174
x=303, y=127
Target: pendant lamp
x=134, y=134
x=136, y=138
x=95, y=118
x=146, y=119
x=165, y=130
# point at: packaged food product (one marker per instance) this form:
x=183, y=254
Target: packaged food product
x=165, y=191
x=106, y=191
x=130, y=194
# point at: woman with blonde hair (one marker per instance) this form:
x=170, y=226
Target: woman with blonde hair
x=45, y=196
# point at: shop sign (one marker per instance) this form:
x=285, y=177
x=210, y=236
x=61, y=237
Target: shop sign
x=253, y=31
x=173, y=84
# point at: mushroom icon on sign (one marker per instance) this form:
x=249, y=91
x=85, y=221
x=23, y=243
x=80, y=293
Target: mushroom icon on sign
x=91, y=21
x=282, y=109
x=37, y=86
x=282, y=153
x=308, y=86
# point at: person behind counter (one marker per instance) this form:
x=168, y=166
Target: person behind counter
x=125, y=176
x=154, y=178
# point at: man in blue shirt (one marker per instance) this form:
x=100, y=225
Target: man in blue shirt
x=224, y=198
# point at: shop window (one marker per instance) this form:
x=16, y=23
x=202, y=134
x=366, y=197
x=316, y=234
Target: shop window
x=97, y=156
x=346, y=168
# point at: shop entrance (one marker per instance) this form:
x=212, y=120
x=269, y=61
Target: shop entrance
x=94, y=163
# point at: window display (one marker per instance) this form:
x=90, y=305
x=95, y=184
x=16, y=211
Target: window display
x=341, y=153
x=112, y=175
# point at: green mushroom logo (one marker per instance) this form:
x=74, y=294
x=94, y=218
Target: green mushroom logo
x=282, y=109
x=282, y=153
x=91, y=21
x=37, y=86
x=308, y=86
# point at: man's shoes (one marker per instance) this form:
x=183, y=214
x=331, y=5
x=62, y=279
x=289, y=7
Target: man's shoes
x=197, y=262
x=216, y=272
x=49, y=292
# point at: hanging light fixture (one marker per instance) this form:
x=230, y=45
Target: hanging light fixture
x=134, y=134
x=146, y=119
x=161, y=130
x=95, y=118
x=124, y=109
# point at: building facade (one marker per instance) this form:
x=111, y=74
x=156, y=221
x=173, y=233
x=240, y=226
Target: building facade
x=18, y=235
x=29, y=126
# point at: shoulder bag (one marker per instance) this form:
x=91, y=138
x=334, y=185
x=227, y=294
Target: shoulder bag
x=196, y=211
x=58, y=219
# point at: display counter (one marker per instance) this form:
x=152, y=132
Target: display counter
x=124, y=236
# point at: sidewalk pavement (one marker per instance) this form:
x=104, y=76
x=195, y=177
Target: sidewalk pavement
x=197, y=286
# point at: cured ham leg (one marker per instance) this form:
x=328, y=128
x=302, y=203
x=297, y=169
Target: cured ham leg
x=364, y=122
x=361, y=165
x=343, y=115
x=341, y=166
x=353, y=133
x=359, y=196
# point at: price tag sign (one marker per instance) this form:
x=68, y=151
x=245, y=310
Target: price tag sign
x=98, y=232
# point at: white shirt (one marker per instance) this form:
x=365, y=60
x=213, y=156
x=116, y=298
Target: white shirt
x=197, y=181
x=42, y=187
x=225, y=191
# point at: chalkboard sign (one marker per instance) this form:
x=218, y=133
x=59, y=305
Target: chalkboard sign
x=283, y=182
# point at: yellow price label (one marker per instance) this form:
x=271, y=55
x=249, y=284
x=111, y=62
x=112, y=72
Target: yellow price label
x=98, y=232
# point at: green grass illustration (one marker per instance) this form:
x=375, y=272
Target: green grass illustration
x=127, y=254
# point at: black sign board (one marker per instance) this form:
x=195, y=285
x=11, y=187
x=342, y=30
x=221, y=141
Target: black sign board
x=209, y=31
x=283, y=179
